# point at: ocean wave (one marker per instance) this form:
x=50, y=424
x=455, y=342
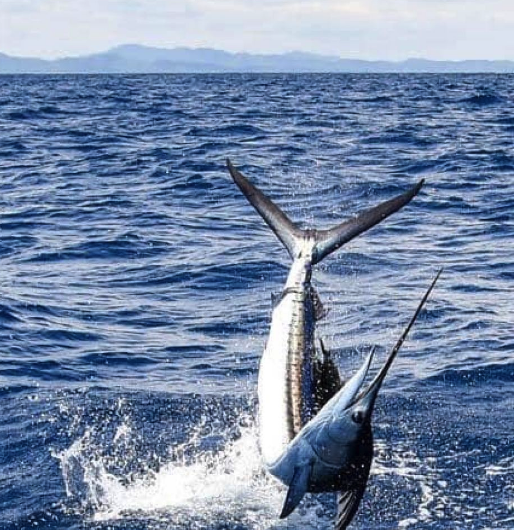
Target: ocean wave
x=130, y=260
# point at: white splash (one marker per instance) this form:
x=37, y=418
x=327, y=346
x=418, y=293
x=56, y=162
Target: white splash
x=229, y=486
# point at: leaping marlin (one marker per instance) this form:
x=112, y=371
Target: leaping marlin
x=334, y=450
x=315, y=434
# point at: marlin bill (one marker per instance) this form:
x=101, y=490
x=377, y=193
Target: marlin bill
x=299, y=386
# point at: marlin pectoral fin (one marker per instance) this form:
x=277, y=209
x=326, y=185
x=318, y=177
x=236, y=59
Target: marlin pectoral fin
x=347, y=506
x=297, y=489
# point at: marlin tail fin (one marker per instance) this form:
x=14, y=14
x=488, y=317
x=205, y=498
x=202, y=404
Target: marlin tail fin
x=326, y=241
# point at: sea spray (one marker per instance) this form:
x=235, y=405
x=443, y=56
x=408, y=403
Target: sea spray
x=192, y=490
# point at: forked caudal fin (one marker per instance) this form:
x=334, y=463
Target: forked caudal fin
x=326, y=241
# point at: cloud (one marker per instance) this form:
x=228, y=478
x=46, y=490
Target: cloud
x=441, y=29
x=18, y=6
x=56, y=28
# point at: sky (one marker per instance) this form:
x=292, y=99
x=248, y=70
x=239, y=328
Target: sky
x=361, y=29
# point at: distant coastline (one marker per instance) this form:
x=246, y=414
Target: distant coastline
x=134, y=58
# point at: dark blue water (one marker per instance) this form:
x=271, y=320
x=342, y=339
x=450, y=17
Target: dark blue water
x=136, y=288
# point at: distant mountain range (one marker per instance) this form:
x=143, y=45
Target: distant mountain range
x=133, y=58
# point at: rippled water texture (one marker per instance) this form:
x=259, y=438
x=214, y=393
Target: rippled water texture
x=136, y=291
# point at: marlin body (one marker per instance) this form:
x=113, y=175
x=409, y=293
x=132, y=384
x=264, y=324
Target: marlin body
x=334, y=450
x=306, y=427
x=286, y=379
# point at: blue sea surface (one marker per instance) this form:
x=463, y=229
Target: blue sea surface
x=136, y=287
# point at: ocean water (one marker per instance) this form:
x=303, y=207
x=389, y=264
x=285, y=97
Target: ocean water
x=136, y=283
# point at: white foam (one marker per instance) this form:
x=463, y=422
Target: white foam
x=229, y=486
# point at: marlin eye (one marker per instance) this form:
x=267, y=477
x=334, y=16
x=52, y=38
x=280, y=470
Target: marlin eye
x=358, y=416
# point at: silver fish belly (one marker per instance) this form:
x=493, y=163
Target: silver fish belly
x=285, y=385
